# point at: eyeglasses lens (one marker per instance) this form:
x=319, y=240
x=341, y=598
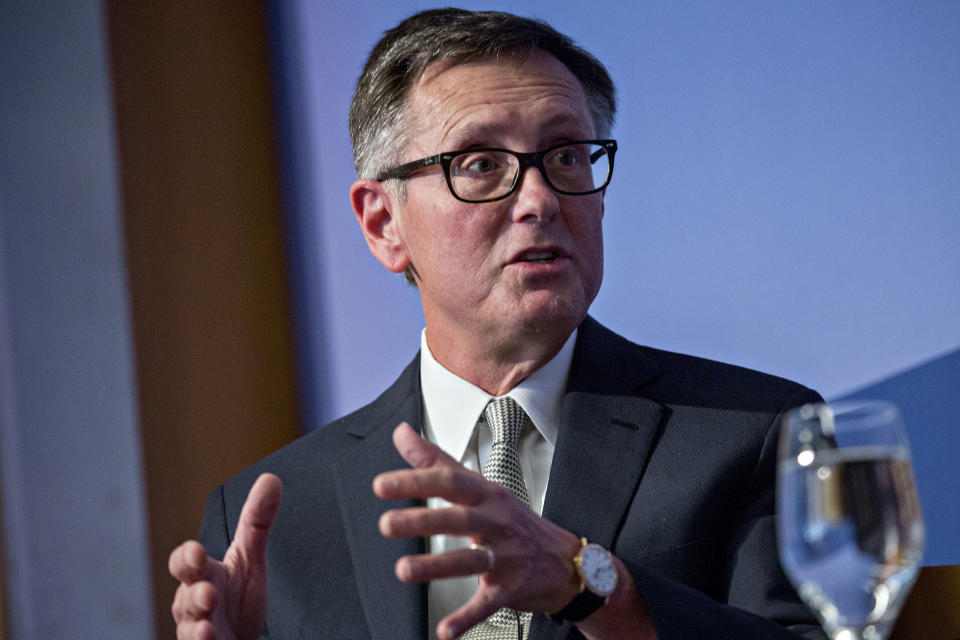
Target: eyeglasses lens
x=574, y=169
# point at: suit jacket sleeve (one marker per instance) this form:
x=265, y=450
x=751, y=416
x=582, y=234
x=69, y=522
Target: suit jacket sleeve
x=758, y=601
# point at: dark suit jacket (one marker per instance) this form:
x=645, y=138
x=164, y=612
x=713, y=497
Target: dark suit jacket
x=666, y=459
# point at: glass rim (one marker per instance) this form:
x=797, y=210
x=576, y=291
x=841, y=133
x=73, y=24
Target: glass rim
x=846, y=408
x=849, y=420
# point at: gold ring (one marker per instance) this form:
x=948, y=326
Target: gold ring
x=490, y=557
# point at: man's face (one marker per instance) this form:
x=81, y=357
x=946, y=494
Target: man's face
x=530, y=262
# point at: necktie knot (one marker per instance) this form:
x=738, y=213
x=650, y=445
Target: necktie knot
x=505, y=418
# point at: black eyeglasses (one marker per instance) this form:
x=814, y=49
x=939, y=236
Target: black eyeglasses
x=485, y=175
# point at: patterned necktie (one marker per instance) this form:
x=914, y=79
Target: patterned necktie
x=506, y=420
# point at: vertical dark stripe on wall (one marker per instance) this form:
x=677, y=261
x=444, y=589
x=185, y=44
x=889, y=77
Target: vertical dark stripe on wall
x=205, y=253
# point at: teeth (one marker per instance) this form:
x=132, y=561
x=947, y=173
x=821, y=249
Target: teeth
x=543, y=256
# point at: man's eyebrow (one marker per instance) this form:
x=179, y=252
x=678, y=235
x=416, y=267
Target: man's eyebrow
x=472, y=133
x=563, y=119
x=481, y=132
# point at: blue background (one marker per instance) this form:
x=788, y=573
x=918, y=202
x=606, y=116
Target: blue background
x=786, y=198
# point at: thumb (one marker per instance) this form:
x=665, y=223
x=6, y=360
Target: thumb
x=256, y=518
x=419, y=453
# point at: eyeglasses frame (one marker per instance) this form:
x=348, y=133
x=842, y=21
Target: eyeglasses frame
x=525, y=160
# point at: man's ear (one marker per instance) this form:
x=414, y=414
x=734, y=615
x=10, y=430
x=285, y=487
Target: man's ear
x=374, y=207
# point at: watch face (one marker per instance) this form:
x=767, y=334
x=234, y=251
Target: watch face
x=598, y=570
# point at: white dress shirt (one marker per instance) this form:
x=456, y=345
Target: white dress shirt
x=451, y=411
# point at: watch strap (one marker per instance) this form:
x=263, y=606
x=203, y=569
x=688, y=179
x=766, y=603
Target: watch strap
x=582, y=605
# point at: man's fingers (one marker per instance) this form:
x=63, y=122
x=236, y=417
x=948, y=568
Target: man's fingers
x=480, y=605
x=232, y=593
x=426, y=567
x=434, y=473
x=196, y=630
x=198, y=601
x=418, y=452
x=188, y=562
x=256, y=517
x=453, y=484
x=194, y=602
x=423, y=521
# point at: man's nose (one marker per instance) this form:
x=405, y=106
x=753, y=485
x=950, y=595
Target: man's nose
x=534, y=197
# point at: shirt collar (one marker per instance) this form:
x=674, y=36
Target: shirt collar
x=452, y=405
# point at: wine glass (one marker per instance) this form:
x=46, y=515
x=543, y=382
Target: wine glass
x=849, y=526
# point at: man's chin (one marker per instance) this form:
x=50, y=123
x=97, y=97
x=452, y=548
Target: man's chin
x=552, y=312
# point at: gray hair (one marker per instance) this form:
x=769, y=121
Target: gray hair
x=379, y=127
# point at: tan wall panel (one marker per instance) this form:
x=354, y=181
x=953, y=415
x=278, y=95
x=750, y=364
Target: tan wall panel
x=932, y=610
x=205, y=254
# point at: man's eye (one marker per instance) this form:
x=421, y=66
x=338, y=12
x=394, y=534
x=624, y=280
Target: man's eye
x=566, y=158
x=477, y=164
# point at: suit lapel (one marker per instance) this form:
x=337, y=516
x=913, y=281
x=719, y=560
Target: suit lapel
x=607, y=431
x=601, y=452
x=392, y=609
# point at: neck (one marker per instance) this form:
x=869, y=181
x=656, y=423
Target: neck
x=496, y=363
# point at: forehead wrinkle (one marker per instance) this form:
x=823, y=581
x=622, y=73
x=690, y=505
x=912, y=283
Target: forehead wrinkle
x=502, y=106
x=435, y=90
x=491, y=131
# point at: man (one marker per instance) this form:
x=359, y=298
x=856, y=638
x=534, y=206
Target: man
x=481, y=142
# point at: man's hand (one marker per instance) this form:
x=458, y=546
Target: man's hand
x=533, y=570
x=228, y=600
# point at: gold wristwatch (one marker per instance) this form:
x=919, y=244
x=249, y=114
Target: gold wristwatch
x=598, y=579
